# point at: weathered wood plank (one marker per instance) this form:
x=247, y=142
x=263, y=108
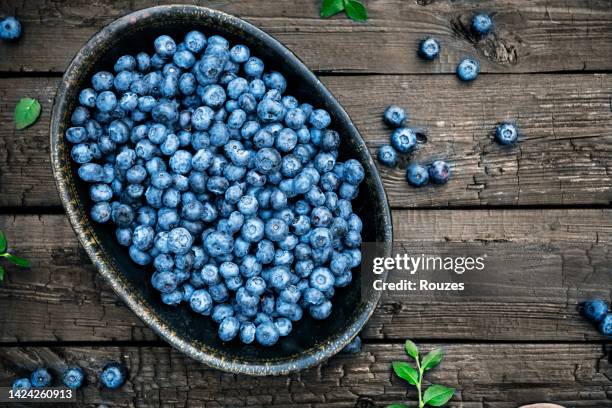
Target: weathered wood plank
x=539, y=265
x=491, y=376
x=531, y=36
x=564, y=157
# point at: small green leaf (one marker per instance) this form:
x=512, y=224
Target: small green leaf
x=432, y=359
x=438, y=395
x=331, y=7
x=18, y=261
x=355, y=10
x=2, y=243
x=1, y=273
x=397, y=406
x=412, y=350
x=405, y=372
x=26, y=112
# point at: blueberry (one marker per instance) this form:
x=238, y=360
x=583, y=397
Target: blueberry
x=429, y=48
x=482, y=24
x=468, y=69
x=417, y=175
x=353, y=347
x=201, y=302
x=269, y=110
x=387, y=156
x=283, y=325
x=10, y=28
x=21, y=384
x=165, y=282
x=221, y=312
x=253, y=67
x=247, y=332
x=41, y=378
x=195, y=41
x=404, y=140
x=80, y=116
x=106, y=101
x=73, y=378
x=102, y=81
x=395, y=116
x=113, y=376
x=321, y=279
x=595, y=309
x=101, y=212
x=439, y=172
x=605, y=326
x=319, y=119
x=179, y=240
x=267, y=334
x=321, y=311
x=506, y=133
x=165, y=46
x=228, y=329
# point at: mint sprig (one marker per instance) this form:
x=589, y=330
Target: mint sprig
x=10, y=257
x=354, y=9
x=435, y=395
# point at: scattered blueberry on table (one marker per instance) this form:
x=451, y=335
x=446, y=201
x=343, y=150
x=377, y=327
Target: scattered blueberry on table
x=73, y=378
x=468, y=69
x=439, y=172
x=482, y=24
x=22, y=384
x=113, y=376
x=429, y=48
x=10, y=29
x=229, y=187
x=595, y=310
x=404, y=140
x=506, y=133
x=417, y=175
x=395, y=116
x=41, y=378
x=387, y=155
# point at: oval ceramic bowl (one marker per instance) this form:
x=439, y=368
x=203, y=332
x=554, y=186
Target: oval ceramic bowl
x=311, y=341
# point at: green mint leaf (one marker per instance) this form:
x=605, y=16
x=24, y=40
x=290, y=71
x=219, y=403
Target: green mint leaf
x=438, y=395
x=331, y=7
x=1, y=273
x=355, y=10
x=412, y=350
x=397, y=406
x=2, y=243
x=18, y=261
x=406, y=372
x=26, y=113
x=432, y=359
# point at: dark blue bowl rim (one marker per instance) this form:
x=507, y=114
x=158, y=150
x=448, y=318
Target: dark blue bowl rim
x=87, y=237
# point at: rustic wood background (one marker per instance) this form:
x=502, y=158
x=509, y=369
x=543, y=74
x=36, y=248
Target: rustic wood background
x=543, y=208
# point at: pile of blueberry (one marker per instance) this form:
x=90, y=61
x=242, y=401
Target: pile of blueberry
x=232, y=190
x=112, y=376
x=597, y=311
x=10, y=29
x=404, y=140
x=468, y=68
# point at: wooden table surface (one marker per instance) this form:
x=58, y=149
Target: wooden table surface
x=542, y=208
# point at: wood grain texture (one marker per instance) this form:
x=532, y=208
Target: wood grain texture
x=485, y=376
x=539, y=265
x=530, y=36
x=564, y=156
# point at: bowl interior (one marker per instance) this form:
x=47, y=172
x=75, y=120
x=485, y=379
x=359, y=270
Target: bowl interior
x=136, y=34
